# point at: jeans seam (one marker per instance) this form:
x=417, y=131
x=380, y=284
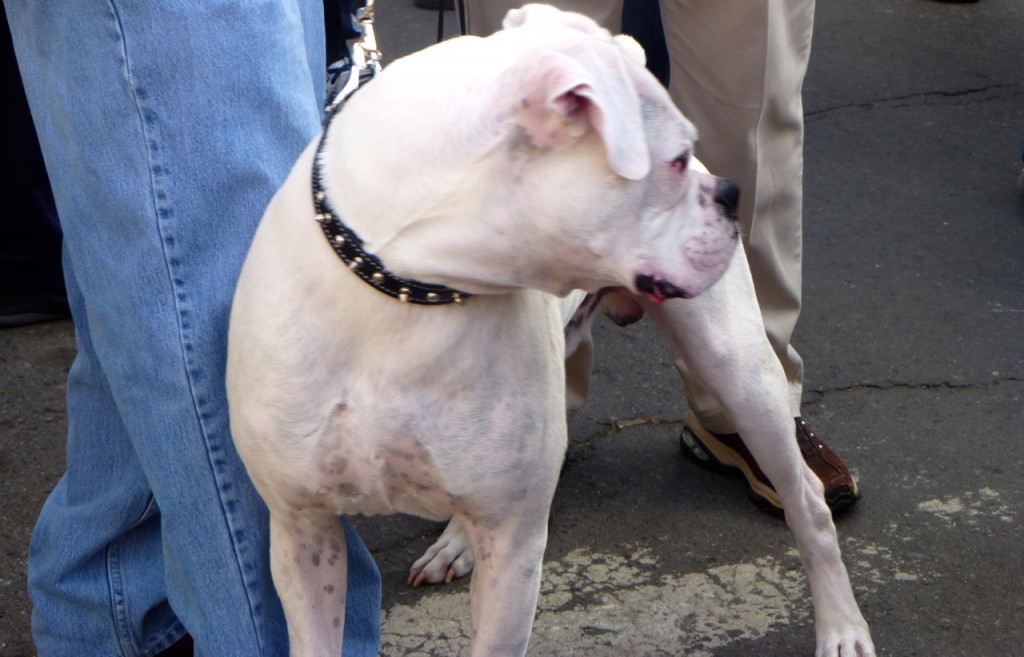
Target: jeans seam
x=122, y=626
x=118, y=604
x=163, y=212
x=122, y=623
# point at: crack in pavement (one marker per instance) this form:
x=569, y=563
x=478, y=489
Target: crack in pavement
x=814, y=396
x=817, y=395
x=939, y=97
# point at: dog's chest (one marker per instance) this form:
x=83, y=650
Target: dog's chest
x=423, y=445
x=350, y=472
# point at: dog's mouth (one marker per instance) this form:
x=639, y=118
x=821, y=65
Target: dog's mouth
x=658, y=290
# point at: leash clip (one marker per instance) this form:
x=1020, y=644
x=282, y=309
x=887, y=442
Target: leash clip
x=365, y=62
x=366, y=53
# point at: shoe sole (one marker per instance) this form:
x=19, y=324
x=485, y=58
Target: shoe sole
x=708, y=452
x=701, y=447
x=842, y=498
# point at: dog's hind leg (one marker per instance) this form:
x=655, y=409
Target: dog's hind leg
x=308, y=560
x=448, y=558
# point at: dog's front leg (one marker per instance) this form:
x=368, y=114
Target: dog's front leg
x=840, y=628
x=308, y=560
x=719, y=340
x=506, y=582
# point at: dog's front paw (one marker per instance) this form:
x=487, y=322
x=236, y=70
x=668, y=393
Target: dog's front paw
x=450, y=557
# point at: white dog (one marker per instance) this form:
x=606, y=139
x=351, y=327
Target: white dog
x=465, y=189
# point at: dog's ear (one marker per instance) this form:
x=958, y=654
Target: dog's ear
x=534, y=14
x=587, y=86
x=632, y=48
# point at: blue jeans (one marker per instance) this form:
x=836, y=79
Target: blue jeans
x=166, y=128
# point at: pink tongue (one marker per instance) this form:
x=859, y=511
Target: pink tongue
x=653, y=296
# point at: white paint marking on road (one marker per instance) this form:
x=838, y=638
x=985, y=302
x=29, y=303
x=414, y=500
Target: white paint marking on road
x=607, y=605
x=970, y=508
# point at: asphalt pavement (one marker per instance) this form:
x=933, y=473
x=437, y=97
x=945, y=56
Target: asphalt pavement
x=913, y=337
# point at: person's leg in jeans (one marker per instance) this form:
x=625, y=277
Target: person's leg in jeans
x=166, y=127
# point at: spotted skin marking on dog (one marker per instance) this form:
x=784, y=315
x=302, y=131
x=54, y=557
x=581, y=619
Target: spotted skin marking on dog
x=337, y=466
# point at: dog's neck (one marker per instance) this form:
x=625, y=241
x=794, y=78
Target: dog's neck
x=349, y=246
x=443, y=206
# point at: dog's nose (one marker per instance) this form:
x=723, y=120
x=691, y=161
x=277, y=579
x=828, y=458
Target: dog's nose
x=727, y=195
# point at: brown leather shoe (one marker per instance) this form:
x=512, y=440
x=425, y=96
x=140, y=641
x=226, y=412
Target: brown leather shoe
x=727, y=453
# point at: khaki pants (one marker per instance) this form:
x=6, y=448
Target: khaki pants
x=737, y=68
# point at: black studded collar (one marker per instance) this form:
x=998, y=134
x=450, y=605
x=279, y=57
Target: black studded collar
x=349, y=246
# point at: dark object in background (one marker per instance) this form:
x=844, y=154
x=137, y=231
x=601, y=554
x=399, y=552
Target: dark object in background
x=340, y=27
x=641, y=19
x=31, y=275
x=183, y=648
x=444, y=5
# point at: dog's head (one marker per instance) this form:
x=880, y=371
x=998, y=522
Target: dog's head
x=566, y=160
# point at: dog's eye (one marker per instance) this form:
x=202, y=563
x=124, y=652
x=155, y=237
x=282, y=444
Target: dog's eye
x=680, y=163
